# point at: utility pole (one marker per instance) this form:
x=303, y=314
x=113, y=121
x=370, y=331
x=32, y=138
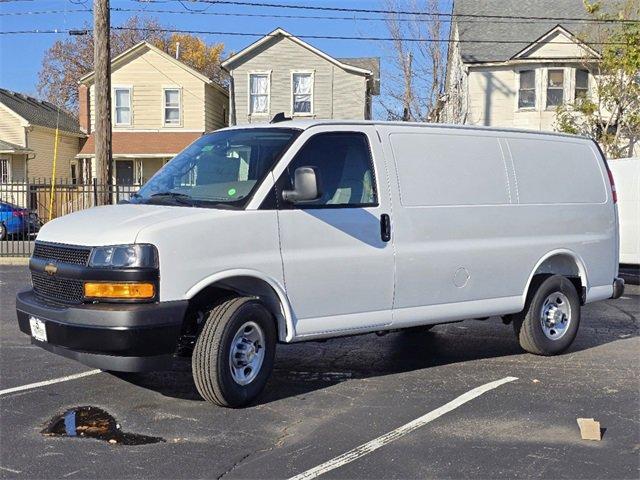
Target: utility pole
x=406, y=115
x=102, y=100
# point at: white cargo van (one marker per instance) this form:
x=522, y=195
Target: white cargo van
x=298, y=231
x=626, y=173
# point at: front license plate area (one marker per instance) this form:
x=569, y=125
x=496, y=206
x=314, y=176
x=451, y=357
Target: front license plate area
x=38, y=329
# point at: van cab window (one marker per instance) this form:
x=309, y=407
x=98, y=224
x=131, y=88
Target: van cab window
x=220, y=169
x=343, y=165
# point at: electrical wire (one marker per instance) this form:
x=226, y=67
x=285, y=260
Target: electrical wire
x=522, y=20
x=312, y=37
x=395, y=12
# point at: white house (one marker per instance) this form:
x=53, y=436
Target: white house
x=515, y=72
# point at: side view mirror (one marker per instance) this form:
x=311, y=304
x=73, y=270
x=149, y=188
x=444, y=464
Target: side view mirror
x=305, y=186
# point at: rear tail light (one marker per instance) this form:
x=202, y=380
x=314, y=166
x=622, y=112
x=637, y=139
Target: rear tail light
x=21, y=213
x=614, y=194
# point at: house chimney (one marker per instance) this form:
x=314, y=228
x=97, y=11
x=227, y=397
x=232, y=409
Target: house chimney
x=83, y=111
x=177, y=50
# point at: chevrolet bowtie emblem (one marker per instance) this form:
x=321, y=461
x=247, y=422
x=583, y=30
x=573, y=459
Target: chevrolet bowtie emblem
x=51, y=269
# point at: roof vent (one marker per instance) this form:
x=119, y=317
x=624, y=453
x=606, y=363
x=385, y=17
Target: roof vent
x=279, y=117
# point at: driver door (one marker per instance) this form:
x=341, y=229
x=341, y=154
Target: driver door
x=338, y=268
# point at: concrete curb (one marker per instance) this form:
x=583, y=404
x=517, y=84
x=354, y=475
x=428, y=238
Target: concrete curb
x=14, y=260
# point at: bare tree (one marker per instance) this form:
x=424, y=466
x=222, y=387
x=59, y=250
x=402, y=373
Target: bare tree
x=414, y=86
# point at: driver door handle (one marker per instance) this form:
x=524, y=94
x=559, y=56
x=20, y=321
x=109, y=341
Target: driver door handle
x=385, y=227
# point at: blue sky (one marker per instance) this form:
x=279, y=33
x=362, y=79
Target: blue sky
x=21, y=55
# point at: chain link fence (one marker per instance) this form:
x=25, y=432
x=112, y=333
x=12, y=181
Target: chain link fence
x=27, y=205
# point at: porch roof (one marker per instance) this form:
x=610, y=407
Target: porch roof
x=143, y=143
x=8, y=147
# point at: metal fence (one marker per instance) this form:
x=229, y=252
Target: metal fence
x=27, y=205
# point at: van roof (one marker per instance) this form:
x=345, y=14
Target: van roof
x=306, y=124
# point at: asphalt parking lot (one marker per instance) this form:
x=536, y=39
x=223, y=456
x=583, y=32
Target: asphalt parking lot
x=326, y=399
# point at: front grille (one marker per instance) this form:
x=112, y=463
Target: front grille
x=62, y=253
x=57, y=290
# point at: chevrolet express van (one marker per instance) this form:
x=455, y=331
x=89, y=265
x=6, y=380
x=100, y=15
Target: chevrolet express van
x=296, y=231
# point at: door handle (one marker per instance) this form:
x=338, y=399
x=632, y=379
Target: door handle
x=385, y=227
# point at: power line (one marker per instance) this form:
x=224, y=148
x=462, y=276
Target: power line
x=521, y=20
x=393, y=12
x=316, y=37
x=45, y=12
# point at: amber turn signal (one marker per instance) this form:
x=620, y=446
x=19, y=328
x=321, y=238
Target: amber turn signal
x=122, y=291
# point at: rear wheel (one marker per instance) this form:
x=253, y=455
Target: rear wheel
x=233, y=356
x=3, y=231
x=549, y=323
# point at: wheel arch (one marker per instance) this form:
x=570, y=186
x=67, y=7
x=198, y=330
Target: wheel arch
x=561, y=262
x=252, y=283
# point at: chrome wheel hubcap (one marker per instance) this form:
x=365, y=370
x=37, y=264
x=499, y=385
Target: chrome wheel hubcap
x=247, y=353
x=555, y=316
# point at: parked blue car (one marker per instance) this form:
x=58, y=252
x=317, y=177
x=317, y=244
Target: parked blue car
x=15, y=220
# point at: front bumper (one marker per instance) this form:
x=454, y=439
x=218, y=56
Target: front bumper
x=119, y=337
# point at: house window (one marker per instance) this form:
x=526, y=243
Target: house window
x=555, y=88
x=258, y=93
x=122, y=106
x=172, y=106
x=4, y=170
x=527, y=90
x=582, y=84
x=302, y=93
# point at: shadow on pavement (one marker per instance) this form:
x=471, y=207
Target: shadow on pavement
x=306, y=367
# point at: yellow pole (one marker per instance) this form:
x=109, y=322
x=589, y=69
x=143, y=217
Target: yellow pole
x=53, y=175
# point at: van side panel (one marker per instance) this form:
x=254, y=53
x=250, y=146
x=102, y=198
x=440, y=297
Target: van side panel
x=451, y=207
x=432, y=173
x=565, y=202
x=556, y=171
x=463, y=239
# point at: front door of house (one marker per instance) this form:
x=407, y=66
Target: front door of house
x=124, y=172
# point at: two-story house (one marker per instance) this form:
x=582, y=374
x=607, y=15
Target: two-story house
x=159, y=106
x=515, y=72
x=282, y=73
x=27, y=138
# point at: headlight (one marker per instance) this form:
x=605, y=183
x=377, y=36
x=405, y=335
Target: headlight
x=125, y=256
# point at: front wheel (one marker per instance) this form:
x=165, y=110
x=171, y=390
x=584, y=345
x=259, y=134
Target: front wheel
x=233, y=356
x=3, y=231
x=549, y=323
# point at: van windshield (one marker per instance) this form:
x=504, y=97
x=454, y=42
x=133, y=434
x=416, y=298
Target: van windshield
x=221, y=169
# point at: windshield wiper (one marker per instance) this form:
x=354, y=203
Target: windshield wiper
x=181, y=198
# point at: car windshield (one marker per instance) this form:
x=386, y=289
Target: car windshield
x=221, y=169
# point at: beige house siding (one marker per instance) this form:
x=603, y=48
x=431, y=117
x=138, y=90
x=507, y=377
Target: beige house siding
x=18, y=167
x=349, y=95
x=11, y=127
x=148, y=73
x=336, y=93
x=216, y=108
x=493, y=96
x=487, y=94
x=41, y=141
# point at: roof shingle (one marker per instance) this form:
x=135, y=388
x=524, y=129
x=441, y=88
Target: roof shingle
x=39, y=112
x=523, y=32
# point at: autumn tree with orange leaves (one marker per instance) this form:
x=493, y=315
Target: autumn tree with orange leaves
x=68, y=60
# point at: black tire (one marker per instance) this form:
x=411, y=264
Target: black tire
x=528, y=325
x=3, y=231
x=210, y=363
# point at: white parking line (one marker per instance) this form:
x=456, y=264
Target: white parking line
x=383, y=440
x=48, y=382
